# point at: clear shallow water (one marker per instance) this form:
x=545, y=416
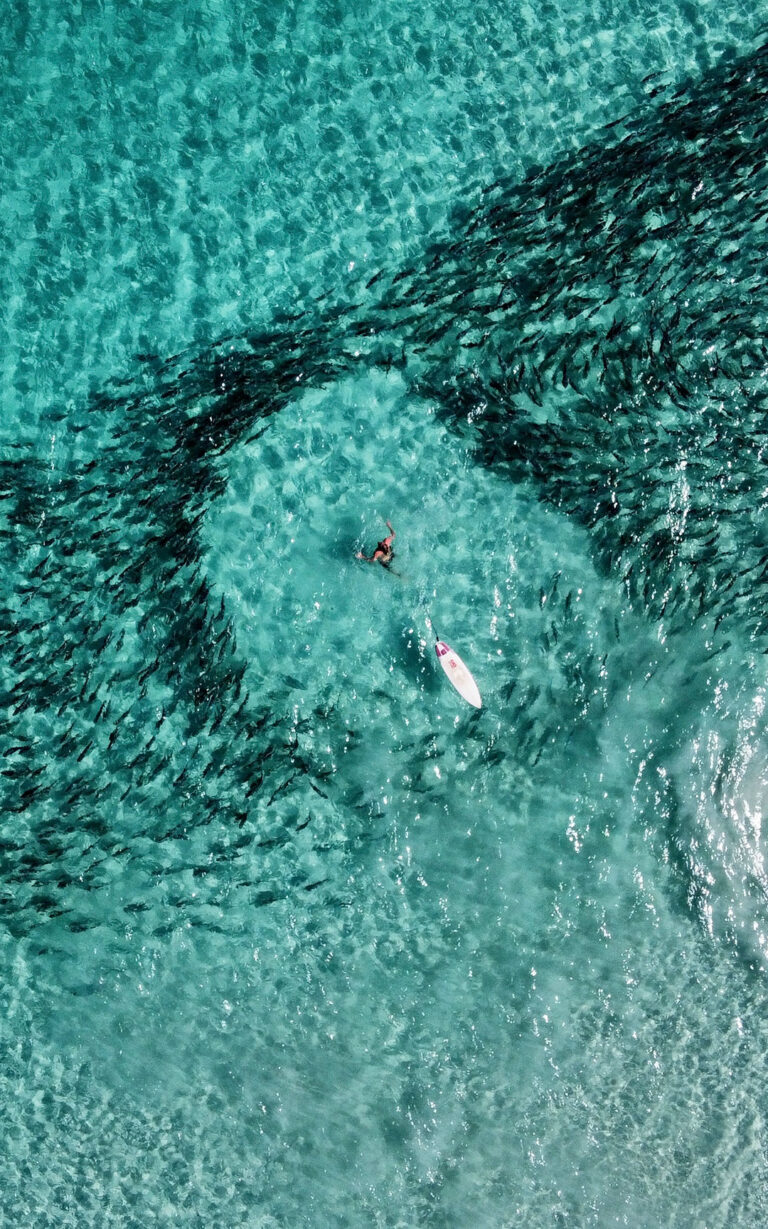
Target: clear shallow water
x=290, y=936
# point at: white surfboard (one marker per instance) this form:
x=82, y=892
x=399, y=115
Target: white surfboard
x=458, y=673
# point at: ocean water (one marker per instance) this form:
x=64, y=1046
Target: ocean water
x=289, y=935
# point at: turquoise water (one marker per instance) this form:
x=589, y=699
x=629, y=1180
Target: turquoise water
x=290, y=936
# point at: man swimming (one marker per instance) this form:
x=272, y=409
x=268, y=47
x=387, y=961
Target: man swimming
x=383, y=553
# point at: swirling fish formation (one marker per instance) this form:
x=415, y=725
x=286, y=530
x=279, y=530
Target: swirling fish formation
x=600, y=330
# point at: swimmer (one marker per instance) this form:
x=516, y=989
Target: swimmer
x=383, y=553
